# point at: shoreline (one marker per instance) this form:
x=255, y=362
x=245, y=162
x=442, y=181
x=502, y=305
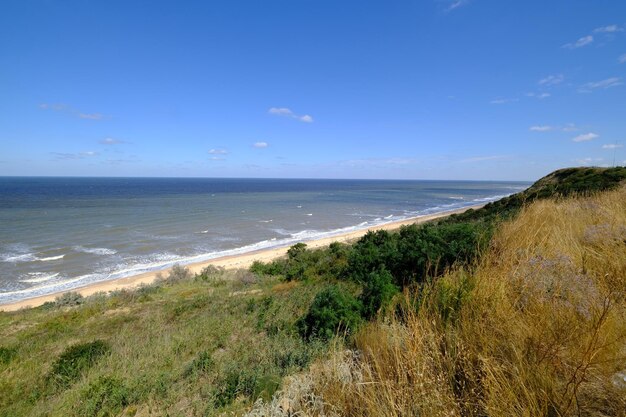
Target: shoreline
x=238, y=261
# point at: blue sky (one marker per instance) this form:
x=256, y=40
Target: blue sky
x=422, y=89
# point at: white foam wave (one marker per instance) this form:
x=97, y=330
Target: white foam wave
x=266, y=221
x=309, y=214
x=51, y=258
x=39, y=277
x=95, y=251
x=161, y=261
x=24, y=257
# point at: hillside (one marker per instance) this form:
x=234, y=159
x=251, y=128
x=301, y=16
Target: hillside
x=513, y=309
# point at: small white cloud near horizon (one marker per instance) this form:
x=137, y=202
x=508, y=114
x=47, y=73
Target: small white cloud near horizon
x=541, y=128
x=504, y=100
x=585, y=137
x=60, y=107
x=584, y=41
x=218, y=151
x=603, y=84
x=111, y=141
x=588, y=161
x=539, y=96
x=78, y=155
x=570, y=127
x=552, y=80
x=260, y=145
x=612, y=146
x=608, y=29
x=90, y=116
x=284, y=111
x=217, y=158
x=484, y=158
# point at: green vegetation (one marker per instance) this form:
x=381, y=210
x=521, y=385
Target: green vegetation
x=75, y=360
x=515, y=303
x=334, y=311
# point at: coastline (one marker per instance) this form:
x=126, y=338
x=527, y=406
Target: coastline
x=243, y=260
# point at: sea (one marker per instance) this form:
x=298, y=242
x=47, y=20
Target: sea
x=60, y=233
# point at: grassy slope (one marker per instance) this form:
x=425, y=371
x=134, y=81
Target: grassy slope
x=214, y=345
x=188, y=348
x=538, y=329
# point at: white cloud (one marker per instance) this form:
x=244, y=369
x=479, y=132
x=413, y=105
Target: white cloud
x=552, y=80
x=585, y=137
x=79, y=155
x=503, y=100
x=218, y=151
x=484, y=158
x=608, y=29
x=588, y=161
x=92, y=116
x=111, y=141
x=570, y=127
x=541, y=128
x=284, y=111
x=622, y=59
x=260, y=145
x=281, y=111
x=456, y=4
x=60, y=107
x=217, y=158
x=540, y=96
x=584, y=41
x=612, y=146
x=603, y=84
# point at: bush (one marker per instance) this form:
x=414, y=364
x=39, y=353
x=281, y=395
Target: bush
x=7, y=355
x=75, y=360
x=378, y=291
x=333, y=311
x=178, y=273
x=106, y=396
x=296, y=251
x=69, y=299
x=202, y=364
x=210, y=272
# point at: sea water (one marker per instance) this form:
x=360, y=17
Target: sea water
x=62, y=233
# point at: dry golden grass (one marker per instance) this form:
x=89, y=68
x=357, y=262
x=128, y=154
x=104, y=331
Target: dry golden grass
x=538, y=329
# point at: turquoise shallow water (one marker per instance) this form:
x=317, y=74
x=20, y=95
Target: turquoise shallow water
x=62, y=233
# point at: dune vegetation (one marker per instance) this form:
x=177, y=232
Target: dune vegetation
x=516, y=309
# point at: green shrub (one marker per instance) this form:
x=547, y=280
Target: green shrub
x=333, y=311
x=202, y=364
x=378, y=291
x=7, y=355
x=296, y=251
x=106, y=396
x=69, y=299
x=178, y=273
x=75, y=360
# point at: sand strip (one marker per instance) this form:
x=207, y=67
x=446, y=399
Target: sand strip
x=229, y=262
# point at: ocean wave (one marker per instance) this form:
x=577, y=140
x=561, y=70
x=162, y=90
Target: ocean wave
x=161, y=261
x=51, y=258
x=22, y=257
x=95, y=251
x=39, y=277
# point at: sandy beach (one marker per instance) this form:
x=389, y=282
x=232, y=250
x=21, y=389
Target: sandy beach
x=227, y=262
